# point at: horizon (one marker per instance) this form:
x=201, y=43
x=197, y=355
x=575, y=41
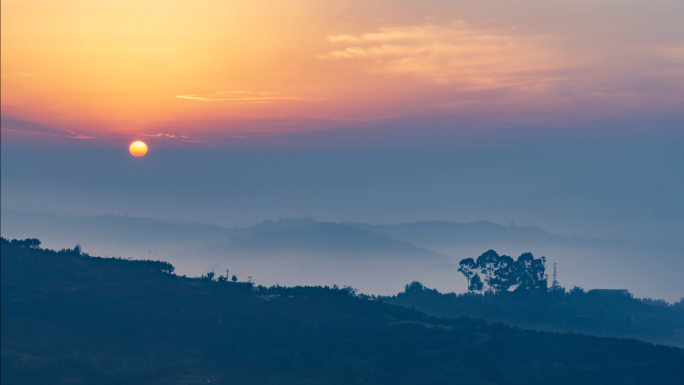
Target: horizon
x=324, y=256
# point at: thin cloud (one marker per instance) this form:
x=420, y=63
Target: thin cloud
x=181, y=137
x=78, y=136
x=49, y=132
x=161, y=134
x=453, y=53
x=241, y=97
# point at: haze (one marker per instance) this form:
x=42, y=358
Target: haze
x=564, y=116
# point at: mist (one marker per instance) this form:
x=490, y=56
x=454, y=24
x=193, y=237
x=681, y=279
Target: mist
x=624, y=187
x=625, y=191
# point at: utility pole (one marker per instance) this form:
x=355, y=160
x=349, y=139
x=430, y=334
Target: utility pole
x=149, y=254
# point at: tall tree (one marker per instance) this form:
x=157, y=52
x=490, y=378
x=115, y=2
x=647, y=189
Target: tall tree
x=531, y=272
x=488, y=262
x=476, y=284
x=467, y=267
x=504, y=276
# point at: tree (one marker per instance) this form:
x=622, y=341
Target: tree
x=351, y=290
x=467, y=268
x=166, y=267
x=234, y=279
x=531, y=272
x=502, y=273
x=504, y=276
x=476, y=284
x=577, y=292
x=31, y=243
x=488, y=262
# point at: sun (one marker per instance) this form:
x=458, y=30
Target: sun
x=138, y=149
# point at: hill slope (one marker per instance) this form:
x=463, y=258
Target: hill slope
x=595, y=313
x=71, y=318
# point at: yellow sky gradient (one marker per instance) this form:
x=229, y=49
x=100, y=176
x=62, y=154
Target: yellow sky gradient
x=143, y=67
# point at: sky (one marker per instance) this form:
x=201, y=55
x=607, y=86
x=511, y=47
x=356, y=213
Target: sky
x=566, y=115
x=212, y=71
x=625, y=186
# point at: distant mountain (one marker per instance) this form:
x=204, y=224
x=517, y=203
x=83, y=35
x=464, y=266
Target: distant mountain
x=367, y=256
x=126, y=233
x=443, y=233
x=318, y=254
x=112, y=233
x=328, y=238
x=282, y=224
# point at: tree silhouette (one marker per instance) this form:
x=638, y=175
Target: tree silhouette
x=31, y=243
x=503, y=273
x=531, y=272
x=467, y=268
x=234, y=279
x=488, y=262
x=504, y=276
x=476, y=284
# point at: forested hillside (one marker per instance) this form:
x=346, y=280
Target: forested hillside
x=71, y=318
x=517, y=292
x=596, y=312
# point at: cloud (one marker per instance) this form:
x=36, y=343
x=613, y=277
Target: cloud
x=24, y=127
x=241, y=97
x=161, y=134
x=182, y=137
x=454, y=53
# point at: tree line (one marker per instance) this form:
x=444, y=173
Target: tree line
x=494, y=273
x=34, y=244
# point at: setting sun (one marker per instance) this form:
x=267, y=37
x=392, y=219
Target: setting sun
x=138, y=149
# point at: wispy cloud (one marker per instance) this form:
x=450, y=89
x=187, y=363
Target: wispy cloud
x=241, y=97
x=452, y=53
x=181, y=137
x=23, y=127
x=161, y=134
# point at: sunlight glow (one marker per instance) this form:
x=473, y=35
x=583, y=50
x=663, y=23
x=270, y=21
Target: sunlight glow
x=138, y=149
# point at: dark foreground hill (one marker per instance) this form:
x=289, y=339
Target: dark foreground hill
x=71, y=318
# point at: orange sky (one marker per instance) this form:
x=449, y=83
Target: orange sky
x=188, y=69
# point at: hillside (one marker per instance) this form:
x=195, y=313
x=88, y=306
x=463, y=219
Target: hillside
x=595, y=312
x=71, y=318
